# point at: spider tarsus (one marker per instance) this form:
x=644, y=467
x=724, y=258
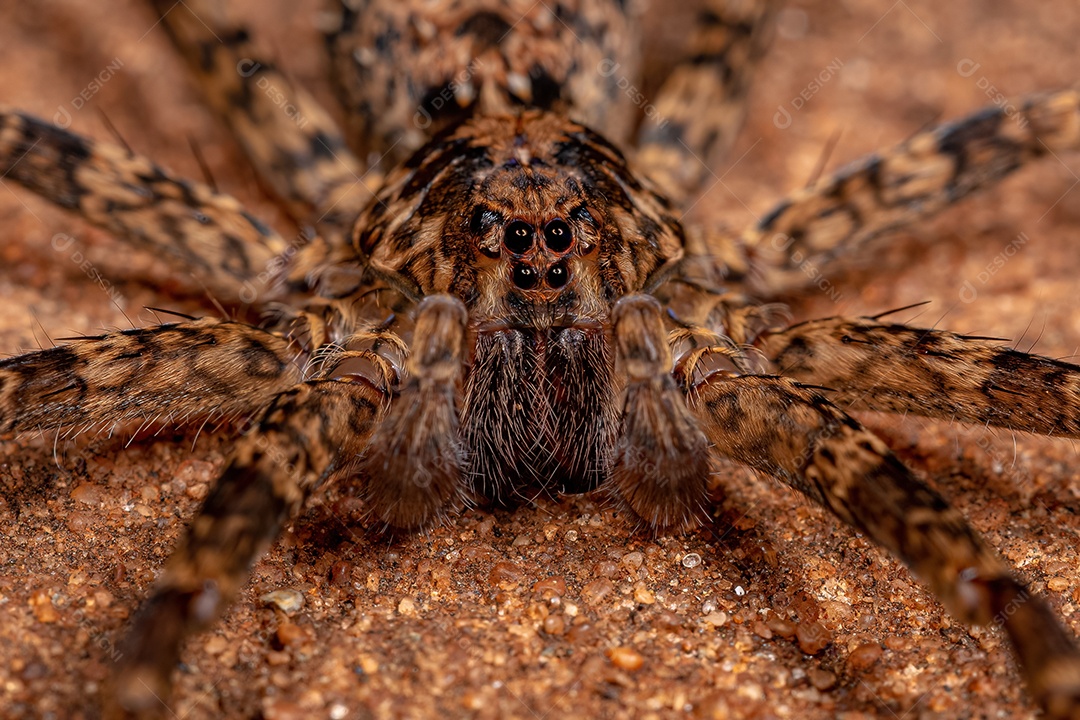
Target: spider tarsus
x=413, y=465
x=661, y=460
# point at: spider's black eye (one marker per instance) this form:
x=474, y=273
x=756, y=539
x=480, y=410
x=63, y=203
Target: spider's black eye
x=557, y=236
x=525, y=277
x=519, y=237
x=557, y=276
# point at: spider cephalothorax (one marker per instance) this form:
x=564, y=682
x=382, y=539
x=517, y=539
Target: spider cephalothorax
x=537, y=224
x=529, y=218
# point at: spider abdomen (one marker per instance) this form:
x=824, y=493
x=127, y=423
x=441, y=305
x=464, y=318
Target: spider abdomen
x=539, y=411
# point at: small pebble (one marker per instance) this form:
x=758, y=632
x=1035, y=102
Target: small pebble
x=89, y=494
x=406, y=606
x=198, y=491
x=597, y=590
x=691, y=560
x=368, y=665
x=633, y=560
x=216, y=645
x=472, y=701
x=280, y=709
x=340, y=573
x=505, y=572
x=289, y=633
x=739, y=590
x=288, y=601
x=625, y=658
x=821, y=679
x=643, y=596
x=276, y=658
x=1057, y=584
x=554, y=625
x=898, y=643
x=554, y=586
x=578, y=634
x=780, y=626
x=43, y=608
x=762, y=630
x=812, y=637
x=716, y=619
x=865, y=656
x=837, y=613
x=1055, y=567
x=606, y=568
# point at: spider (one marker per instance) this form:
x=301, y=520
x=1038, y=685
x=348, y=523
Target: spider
x=508, y=581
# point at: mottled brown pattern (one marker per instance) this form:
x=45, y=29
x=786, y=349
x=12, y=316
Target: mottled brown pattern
x=495, y=325
x=895, y=368
x=201, y=231
x=700, y=107
x=925, y=174
x=292, y=142
x=174, y=373
x=407, y=70
x=827, y=455
x=306, y=434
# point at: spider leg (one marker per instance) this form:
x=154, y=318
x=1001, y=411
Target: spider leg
x=700, y=107
x=200, y=230
x=661, y=458
x=788, y=431
x=896, y=368
x=306, y=434
x=295, y=146
x=413, y=467
x=182, y=370
x=921, y=176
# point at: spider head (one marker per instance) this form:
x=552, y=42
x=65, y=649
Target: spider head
x=524, y=217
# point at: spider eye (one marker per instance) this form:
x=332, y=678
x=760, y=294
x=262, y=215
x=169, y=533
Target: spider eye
x=557, y=236
x=557, y=276
x=525, y=277
x=519, y=237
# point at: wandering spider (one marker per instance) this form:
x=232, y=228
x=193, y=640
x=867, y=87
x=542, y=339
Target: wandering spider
x=738, y=583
